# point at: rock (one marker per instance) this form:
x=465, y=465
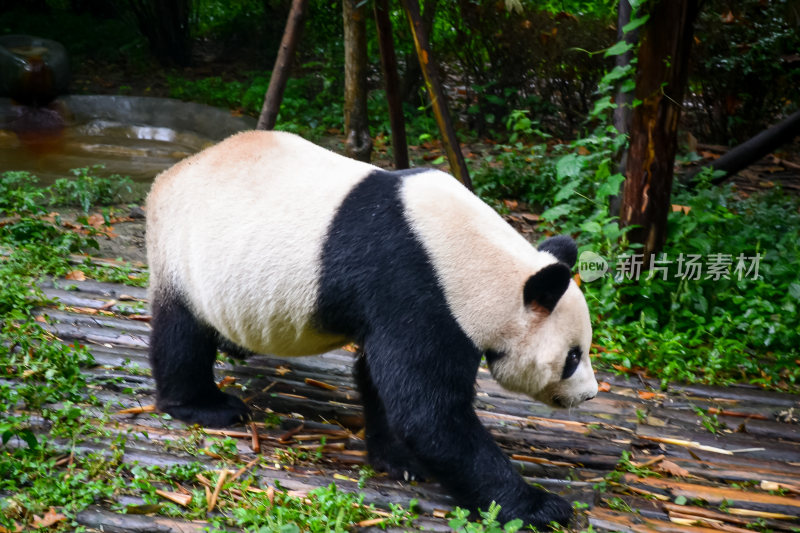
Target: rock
x=33, y=70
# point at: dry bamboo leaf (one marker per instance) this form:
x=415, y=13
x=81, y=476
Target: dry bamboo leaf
x=371, y=522
x=213, y=455
x=293, y=396
x=691, y=510
x=227, y=433
x=652, y=495
x=650, y=462
x=138, y=410
x=176, y=497
x=320, y=384
x=356, y=453
x=539, y=460
x=761, y=514
x=726, y=412
x=341, y=477
x=687, y=444
x=281, y=370
x=440, y=513
x=245, y=468
x=256, y=442
x=220, y=481
x=774, y=486
x=713, y=495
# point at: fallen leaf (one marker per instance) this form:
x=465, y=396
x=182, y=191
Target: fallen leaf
x=511, y=204
x=76, y=275
x=281, y=370
x=50, y=518
x=96, y=220
x=227, y=380
x=672, y=469
x=604, y=386
x=646, y=395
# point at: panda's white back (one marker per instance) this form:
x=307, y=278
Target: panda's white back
x=239, y=227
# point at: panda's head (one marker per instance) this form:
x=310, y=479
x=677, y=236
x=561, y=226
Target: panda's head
x=544, y=353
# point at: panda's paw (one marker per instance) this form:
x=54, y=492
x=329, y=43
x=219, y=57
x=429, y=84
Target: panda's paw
x=223, y=410
x=547, y=508
x=398, y=465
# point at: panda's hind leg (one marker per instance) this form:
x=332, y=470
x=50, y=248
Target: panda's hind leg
x=182, y=354
x=386, y=452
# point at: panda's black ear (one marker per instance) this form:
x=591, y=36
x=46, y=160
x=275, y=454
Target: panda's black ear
x=562, y=247
x=546, y=287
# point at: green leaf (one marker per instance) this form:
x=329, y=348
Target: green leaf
x=635, y=23
x=610, y=186
x=556, y=211
x=618, y=49
x=494, y=99
x=616, y=73
x=568, y=166
x=680, y=500
x=627, y=85
x=794, y=290
x=601, y=105
x=591, y=227
x=566, y=191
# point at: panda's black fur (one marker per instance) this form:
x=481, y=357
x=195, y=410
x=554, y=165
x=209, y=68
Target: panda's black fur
x=416, y=371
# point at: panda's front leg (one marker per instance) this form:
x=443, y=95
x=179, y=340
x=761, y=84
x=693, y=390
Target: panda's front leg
x=182, y=354
x=427, y=392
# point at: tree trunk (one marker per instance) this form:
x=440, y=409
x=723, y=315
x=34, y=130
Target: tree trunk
x=438, y=99
x=660, y=82
x=754, y=149
x=358, y=143
x=392, y=81
x=283, y=63
x=622, y=114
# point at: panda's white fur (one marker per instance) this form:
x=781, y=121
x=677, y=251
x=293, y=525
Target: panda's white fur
x=239, y=228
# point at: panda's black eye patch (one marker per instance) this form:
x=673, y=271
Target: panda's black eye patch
x=572, y=362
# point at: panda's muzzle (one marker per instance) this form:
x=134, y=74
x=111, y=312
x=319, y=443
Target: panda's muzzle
x=561, y=402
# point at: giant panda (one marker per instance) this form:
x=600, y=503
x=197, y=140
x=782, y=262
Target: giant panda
x=280, y=246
